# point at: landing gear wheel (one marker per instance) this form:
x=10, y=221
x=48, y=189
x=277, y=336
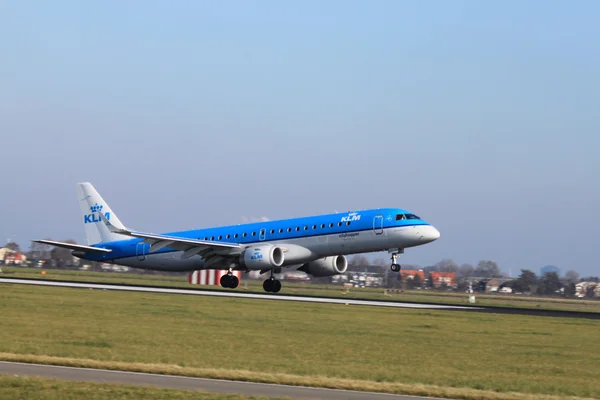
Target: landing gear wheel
x=226, y=281
x=234, y=282
x=395, y=266
x=267, y=285
x=276, y=286
x=272, y=285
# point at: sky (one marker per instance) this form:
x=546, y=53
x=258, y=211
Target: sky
x=480, y=117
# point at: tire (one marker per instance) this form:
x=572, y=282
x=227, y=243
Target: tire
x=225, y=281
x=276, y=286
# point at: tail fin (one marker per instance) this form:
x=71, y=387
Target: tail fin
x=91, y=203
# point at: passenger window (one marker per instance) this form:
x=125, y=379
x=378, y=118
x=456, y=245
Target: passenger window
x=399, y=217
x=289, y=229
x=314, y=227
x=297, y=228
x=331, y=225
x=348, y=223
x=322, y=225
x=253, y=233
x=205, y=238
x=281, y=230
x=306, y=228
x=339, y=224
x=227, y=237
x=220, y=237
x=244, y=234
x=235, y=236
x=272, y=231
x=212, y=238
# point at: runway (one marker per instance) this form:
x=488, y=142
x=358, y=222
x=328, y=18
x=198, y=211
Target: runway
x=187, y=383
x=310, y=299
x=222, y=293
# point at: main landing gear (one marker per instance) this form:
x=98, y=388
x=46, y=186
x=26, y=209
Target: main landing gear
x=229, y=281
x=395, y=266
x=272, y=285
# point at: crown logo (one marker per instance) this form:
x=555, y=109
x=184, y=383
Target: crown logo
x=95, y=208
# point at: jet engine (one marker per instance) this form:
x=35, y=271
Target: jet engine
x=262, y=257
x=327, y=266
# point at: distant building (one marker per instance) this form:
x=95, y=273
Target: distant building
x=590, y=289
x=549, y=268
x=8, y=256
x=407, y=274
x=443, y=278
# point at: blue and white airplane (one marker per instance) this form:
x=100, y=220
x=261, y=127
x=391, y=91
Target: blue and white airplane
x=316, y=245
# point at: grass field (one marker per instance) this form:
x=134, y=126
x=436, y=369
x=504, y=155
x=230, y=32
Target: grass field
x=461, y=355
x=299, y=288
x=19, y=388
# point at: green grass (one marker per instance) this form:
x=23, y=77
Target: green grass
x=25, y=388
x=438, y=353
x=308, y=289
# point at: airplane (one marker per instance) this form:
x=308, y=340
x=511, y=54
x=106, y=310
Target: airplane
x=316, y=245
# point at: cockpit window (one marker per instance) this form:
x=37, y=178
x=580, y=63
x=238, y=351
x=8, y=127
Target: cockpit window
x=399, y=217
x=411, y=216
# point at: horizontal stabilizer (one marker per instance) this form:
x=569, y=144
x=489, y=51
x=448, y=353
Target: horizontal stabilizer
x=72, y=246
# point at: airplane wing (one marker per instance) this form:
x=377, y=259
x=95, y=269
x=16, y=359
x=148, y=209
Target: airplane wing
x=72, y=246
x=190, y=247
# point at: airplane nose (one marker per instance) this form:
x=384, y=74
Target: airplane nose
x=429, y=234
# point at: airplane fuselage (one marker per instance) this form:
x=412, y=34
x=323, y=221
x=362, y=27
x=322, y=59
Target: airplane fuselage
x=302, y=239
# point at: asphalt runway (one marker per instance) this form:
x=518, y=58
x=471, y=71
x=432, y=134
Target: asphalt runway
x=222, y=293
x=187, y=383
x=313, y=299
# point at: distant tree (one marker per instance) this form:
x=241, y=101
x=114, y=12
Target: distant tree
x=381, y=262
x=416, y=281
x=13, y=246
x=358, y=263
x=590, y=279
x=446, y=265
x=462, y=286
x=430, y=269
x=430, y=282
x=39, y=251
x=462, y=273
x=394, y=280
x=569, y=289
x=572, y=276
x=465, y=271
x=488, y=269
x=61, y=257
x=549, y=283
x=525, y=281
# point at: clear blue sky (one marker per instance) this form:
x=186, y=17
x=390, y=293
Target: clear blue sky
x=481, y=117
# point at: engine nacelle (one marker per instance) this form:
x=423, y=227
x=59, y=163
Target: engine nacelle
x=327, y=266
x=262, y=257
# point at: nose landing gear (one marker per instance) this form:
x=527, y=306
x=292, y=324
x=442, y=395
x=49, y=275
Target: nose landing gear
x=395, y=266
